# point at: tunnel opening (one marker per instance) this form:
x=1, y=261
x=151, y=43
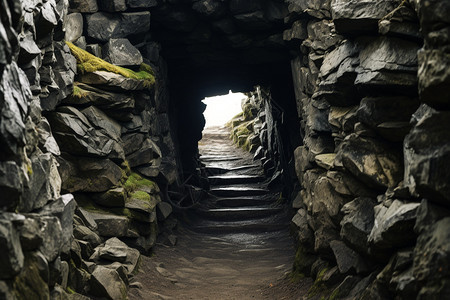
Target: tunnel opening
x=222, y=108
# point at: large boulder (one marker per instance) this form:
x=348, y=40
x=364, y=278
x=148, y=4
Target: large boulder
x=337, y=75
x=358, y=222
x=104, y=100
x=431, y=257
x=427, y=151
x=104, y=26
x=74, y=26
x=76, y=134
x=359, y=15
x=388, y=62
x=393, y=226
x=63, y=208
x=12, y=258
x=110, y=225
x=121, y=52
x=434, y=78
x=106, y=282
x=88, y=174
x=373, y=161
x=113, y=81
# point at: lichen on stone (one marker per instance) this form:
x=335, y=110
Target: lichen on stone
x=87, y=63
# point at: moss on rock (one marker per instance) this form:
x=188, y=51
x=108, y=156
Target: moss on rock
x=87, y=63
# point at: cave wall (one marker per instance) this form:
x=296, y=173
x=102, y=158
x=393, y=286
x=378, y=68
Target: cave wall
x=371, y=86
x=86, y=151
x=373, y=200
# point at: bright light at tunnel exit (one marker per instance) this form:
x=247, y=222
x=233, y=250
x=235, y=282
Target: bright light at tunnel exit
x=221, y=109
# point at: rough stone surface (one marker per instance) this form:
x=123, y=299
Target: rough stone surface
x=393, y=226
x=121, y=52
x=107, y=283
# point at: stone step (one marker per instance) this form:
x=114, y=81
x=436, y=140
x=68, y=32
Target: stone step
x=213, y=158
x=234, y=179
x=218, y=170
x=239, y=226
x=243, y=201
x=238, y=191
x=238, y=213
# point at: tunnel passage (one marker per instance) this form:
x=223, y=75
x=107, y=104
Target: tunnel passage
x=213, y=46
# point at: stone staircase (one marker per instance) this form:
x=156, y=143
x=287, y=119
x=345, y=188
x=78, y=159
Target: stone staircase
x=239, y=200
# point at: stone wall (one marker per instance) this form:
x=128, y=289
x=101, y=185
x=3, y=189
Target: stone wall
x=257, y=130
x=86, y=147
x=373, y=208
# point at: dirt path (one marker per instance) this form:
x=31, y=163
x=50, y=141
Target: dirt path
x=234, y=263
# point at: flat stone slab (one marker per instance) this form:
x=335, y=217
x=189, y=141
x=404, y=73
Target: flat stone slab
x=238, y=213
x=243, y=201
x=234, y=179
x=234, y=191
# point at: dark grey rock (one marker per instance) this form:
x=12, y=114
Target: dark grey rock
x=84, y=6
x=304, y=233
x=347, y=259
x=316, y=8
x=121, y=52
x=324, y=199
x=111, y=5
x=63, y=208
x=113, y=250
x=145, y=154
x=428, y=214
x=431, y=256
x=141, y=3
x=88, y=174
x=359, y=16
x=113, y=81
x=393, y=226
x=163, y=210
x=348, y=185
x=10, y=184
x=110, y=225
x=75, y=134
x=13, y=110
x=209, y=8
x=107, y=283
x=51, y=233
x=44, y=183
x=94, y=49
x=322, y=35
x=30, y=235
x=83, y=233
x=338, y=73
x=104, y=100
x=12, y=259
x=241, y=6
x=105, y=125
x=104, y=26
x=73, y=26
x=389, y=62
x=28, y=47
x=296, y=34
x=86, y=217
x=115, y=197
x=372, y=161
x=358, y=222
x=426, y=151
x=65, y=70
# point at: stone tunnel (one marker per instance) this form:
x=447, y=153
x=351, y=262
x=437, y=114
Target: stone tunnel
x=340, y=168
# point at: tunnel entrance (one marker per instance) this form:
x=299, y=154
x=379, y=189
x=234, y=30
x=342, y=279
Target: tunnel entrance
x=221, y=109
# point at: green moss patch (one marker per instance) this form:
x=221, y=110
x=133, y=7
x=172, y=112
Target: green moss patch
x=78, y=92
x=87, y=63
x=136, y=182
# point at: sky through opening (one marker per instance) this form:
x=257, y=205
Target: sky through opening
x=221, y=109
